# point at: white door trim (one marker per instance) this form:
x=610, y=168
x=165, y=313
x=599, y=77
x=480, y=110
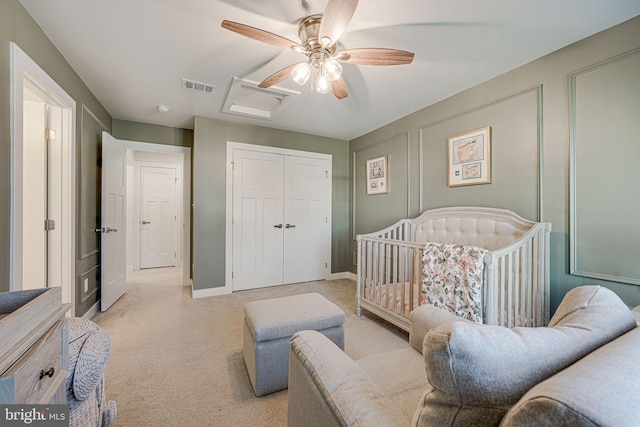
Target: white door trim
x=186, y=195
x=24, y=70
x=231, y=146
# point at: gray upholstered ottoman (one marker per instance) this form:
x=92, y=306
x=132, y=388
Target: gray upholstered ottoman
x=268, y=327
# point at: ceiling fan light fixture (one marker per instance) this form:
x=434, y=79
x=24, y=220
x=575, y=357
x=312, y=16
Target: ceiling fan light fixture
x=301, y=72
x=332, y=68
x=323, y=84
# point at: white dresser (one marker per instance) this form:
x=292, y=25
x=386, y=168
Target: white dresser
x=34, y=347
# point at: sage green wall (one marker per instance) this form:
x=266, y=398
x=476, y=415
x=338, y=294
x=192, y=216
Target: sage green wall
x=209, y=186
x=528, y=110
x=144, y=132
x=17, y=26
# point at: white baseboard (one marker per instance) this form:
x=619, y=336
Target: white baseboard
x=343, y=275
x=209, y=292
x=91, y=312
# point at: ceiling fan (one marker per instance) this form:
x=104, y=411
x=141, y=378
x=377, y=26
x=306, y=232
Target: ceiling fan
x=319, y=35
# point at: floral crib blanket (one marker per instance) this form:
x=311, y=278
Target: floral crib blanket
x=452, y=278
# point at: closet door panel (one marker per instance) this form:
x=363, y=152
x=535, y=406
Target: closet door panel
x=306, y=219
x=257, y=219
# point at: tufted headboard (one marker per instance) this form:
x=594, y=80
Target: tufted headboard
x=489, y=228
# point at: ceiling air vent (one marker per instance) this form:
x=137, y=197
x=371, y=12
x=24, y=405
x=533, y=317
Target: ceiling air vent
x=197, y=86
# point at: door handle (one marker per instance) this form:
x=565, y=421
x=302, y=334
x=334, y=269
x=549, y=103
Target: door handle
x=109, y=230
x=290, y=226
x=278, y=226
x=143, y=222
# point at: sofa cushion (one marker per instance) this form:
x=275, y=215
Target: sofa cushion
x=477, y=372
x=601, y=389
x=352, y=397
x=400, y=375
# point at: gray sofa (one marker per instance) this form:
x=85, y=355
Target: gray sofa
x=581, y=370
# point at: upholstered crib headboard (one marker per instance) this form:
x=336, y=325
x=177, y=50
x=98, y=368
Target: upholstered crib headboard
x=489, y=228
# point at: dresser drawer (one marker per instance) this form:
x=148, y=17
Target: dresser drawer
x=39, y=373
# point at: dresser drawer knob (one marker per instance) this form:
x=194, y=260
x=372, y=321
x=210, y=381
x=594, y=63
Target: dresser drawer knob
x=48, y=373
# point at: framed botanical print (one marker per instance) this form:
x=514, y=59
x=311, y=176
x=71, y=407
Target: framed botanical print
x=469, y=158
x=377, y=175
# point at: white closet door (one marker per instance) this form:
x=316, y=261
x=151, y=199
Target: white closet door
x=306, y=234
x=258, y=185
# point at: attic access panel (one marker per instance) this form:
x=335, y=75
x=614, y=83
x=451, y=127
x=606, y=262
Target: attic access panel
x=245, y=98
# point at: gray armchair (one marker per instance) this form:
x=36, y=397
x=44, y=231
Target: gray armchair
x=89, y=351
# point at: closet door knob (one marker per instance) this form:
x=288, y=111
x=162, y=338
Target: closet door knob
x=290, y=226
x=278, y=226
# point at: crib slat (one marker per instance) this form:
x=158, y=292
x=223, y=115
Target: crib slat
x=371, y=295
x=501, y=282
x=536, y=279
x=401, y=282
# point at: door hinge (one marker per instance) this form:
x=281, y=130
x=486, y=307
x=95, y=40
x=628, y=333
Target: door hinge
x=50, y=134
x=49, y=225
x=325, y=265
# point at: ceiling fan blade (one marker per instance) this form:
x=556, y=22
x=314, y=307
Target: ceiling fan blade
x=375, y=56
x=260, y=35
x=339, y=88
x=277, y=77
x=335, y=19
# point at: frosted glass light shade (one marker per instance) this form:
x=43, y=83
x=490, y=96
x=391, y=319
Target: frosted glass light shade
x=301, y=72
x=332, y=68
x=323, y=84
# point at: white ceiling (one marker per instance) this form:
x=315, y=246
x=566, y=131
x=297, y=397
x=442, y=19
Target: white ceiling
x=133, y=55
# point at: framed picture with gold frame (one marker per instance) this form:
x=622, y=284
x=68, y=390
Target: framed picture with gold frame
x=469, y=158
x=377, y=175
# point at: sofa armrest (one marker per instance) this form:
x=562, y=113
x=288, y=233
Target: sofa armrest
x=425, y=318
x=327, y=388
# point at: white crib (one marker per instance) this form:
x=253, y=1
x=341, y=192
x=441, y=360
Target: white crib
x=516, y=266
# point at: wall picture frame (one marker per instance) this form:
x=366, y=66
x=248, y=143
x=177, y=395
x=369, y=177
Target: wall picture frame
x=469, y=158
x=377, y=175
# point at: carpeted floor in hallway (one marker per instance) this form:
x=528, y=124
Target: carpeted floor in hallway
x=177, y=361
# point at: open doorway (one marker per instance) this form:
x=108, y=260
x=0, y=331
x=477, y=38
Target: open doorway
x=43, y=181
x=155, y=189
x=126, y=166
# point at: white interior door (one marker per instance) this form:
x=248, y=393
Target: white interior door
x=34, y=198
x=55, y=117
x=307, y=233
x=113, y=241
x=42, y=199
x=157, y=217
x=257, y=219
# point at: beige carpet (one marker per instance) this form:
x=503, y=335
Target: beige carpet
x=177, y=361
